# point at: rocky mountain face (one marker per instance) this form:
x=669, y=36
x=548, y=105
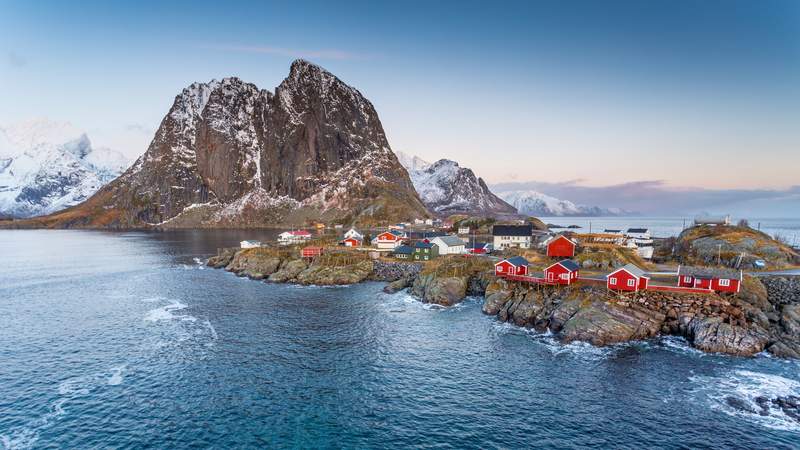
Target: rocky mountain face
x=446, y=188
x=533, y=203
x=231, y=154
x=46, y=166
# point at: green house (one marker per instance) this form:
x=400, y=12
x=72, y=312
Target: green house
x=424, y=251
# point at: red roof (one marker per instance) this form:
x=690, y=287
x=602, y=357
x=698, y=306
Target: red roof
x=300, y=233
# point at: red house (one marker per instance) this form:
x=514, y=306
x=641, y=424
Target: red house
x=627, y=278
x=310, y=252
x=511, y=266
x=560, y=247
x=351, y=242
x=388, y=239
x=720, y=280
x=562, y=272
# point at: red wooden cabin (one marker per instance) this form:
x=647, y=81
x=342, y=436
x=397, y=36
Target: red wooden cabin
x=562, y=272
x=720, y=280
x=561, y=247
x=627, y=278
x=351, y=242
x=512, y=266
x=310, y=252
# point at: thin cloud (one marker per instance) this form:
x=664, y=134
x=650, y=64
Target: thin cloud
x=269, y=50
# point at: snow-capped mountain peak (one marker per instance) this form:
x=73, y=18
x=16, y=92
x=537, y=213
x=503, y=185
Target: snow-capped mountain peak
x=447, y=188
x=46, y=166
x=534, y=203
x=411, y=162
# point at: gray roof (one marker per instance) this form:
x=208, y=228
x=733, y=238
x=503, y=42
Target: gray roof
x=512, y=230
x=633, y=269
x=518, y=261
x=404, y=249
x=710, y=272
x=451, y=241
x=568, y=264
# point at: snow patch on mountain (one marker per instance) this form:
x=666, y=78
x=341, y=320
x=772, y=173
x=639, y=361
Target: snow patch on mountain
x=534, y=203
x=411, y=162
x=46, y=166
x=447, y=188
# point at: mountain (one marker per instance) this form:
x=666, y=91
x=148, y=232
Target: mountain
x=446, y=188
x=46, y=166
x=229, y=154
x=533, y=203
x=411, y=162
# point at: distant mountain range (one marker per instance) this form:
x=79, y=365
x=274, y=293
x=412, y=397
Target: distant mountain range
x=533, y=203
x=46, y=166
x=447, y=188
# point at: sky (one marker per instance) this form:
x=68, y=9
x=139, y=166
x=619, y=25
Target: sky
x=573, y=97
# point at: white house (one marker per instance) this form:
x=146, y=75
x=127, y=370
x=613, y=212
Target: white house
x=418, y=221
x=250, y=244
x=428, y=221
x=508, y=236
x=353, y=233
x=293, y=237
x=463, y=230
x=638, y=233
x=449, y=245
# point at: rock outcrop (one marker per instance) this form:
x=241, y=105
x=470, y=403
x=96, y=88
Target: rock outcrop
x=743, y=325
x=229, y=154
x=706, y=245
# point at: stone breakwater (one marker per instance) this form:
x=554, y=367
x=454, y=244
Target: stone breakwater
x=764, y=316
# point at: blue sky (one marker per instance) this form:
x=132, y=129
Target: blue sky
x=699, y=94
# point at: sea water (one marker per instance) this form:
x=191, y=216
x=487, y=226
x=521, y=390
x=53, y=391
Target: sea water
x=125, y=340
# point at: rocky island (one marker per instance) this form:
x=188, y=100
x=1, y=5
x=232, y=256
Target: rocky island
x=764, y=316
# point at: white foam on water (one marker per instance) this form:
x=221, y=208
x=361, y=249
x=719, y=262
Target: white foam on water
x=153, y=299
x=25, y=437
x=211, y=329
x=679, y=344
x=746, y=386
x=165, y=313
x=550, y=342
x=117, y=376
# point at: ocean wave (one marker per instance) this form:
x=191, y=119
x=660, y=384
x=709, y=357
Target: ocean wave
x=738, y=393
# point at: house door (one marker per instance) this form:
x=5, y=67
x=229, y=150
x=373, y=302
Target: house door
x=551, y=276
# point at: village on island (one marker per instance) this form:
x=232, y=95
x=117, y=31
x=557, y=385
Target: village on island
x=509, y=245
x=716, y=284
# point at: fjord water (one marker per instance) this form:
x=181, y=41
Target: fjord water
x=112, y=340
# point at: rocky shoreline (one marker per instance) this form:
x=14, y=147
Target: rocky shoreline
x=764, y=316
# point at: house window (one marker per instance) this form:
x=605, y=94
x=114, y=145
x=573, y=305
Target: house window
x=612, y=281
x=564, y=276
x=499, y=268
x=426, y=257
x=687, y=279
x=631, y=283
x=724, y=282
